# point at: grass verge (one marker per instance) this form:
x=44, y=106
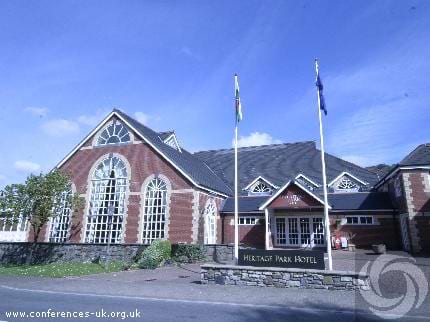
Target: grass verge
x=60, y=269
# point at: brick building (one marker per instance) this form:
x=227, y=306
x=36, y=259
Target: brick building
x=148, y=187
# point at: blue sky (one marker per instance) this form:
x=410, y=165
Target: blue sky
x=66, y=64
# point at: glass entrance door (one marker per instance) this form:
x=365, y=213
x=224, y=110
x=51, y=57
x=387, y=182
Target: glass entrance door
x=299, y=231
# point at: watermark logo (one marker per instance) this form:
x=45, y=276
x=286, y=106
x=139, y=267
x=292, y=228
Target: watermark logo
x=417, y=286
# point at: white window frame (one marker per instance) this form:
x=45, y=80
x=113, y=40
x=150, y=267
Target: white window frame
x=105, y=131
x=155, y=210
x=13, y=229
x=97, y=228
x=210, y=219
x=60, y=223
x=249, y=220
x=359, y=217
x=313, y=234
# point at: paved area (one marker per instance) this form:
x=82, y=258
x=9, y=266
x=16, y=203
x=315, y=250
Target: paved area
x=174, y=293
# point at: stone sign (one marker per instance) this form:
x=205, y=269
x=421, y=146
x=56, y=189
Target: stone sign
x=312, y=259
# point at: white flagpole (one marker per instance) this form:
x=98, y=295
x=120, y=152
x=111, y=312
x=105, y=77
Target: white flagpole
x=236, y=204
x=326, y=218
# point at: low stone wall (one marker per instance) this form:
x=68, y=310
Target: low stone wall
x=41, y=253
x=282, y=277
x=219, y=253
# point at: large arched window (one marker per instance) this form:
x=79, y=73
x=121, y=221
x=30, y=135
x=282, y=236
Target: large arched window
x=59, y=224
x=107, y=202
x=155, y=211
x=113, y=134
x=210, y=222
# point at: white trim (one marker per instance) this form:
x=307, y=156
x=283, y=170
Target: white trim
x=344, y=173
x=268, y=202
x=306, y=178
x=263, y=179
x=113, y=113
x=175, y=139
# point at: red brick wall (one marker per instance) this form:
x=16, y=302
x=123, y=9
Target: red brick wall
x=249, y=235
x=144, y=161
x=420, y=197
x=386, y=232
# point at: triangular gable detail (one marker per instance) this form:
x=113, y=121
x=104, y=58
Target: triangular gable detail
x=293, y=196
x=139, y=134
x=260, y=178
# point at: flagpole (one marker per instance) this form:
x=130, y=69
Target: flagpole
x=326, y=218
x=236, y=203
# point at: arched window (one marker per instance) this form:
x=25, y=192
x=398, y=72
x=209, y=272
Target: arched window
x=114, y=134
x=261, y=188
x=155, y=211
x=60, y=223
x=210, y=222
x=107, y=202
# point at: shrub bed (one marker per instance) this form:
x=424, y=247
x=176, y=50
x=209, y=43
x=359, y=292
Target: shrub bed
x=187, y=253
x=155, y=255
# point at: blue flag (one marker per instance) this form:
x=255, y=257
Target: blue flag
x=320, y=93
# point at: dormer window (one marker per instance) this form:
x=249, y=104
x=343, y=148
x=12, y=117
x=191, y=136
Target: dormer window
x=260, y=186
x=306, y=182
x=346, y=182
x=172, y=142
x=115, y=133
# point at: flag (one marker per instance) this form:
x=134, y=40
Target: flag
x=320, y=92
x=239, y=115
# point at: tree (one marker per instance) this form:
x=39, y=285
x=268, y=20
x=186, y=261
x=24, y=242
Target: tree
x=40, y=198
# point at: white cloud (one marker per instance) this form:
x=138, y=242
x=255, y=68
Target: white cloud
x=142, y=117
x=93, y=120
x=60, y=127
x=26, y=166
x=256, y=138
x=187, y=51
x=37, y=111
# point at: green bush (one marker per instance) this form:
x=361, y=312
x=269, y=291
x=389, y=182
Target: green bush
x=155, y=254
x=187, y=253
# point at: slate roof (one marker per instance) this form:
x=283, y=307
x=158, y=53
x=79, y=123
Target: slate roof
x=246, y=204
x=419, y=156
x=184, y=160
x=338, y=201
x=361, y=201
x=164, y=135
x=279, y=163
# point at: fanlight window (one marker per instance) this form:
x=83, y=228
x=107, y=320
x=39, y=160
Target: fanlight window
x=210, y=222
x=261, y=188
x=114, y=134
x=60, y=223
x=107, y=202
x=346, y=184
x=155, y=211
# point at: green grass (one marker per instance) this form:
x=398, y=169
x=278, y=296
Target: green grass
x=60, y=269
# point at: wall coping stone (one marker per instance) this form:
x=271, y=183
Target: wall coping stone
x=287, y=270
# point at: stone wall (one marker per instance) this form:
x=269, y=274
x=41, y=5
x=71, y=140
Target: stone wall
x=219, y=253
x=283, y=277
x=41, y=253
x=17, y=253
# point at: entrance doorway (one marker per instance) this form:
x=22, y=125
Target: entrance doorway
x=299, y=231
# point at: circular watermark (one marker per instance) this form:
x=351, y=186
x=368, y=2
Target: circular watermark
x=417, y=286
